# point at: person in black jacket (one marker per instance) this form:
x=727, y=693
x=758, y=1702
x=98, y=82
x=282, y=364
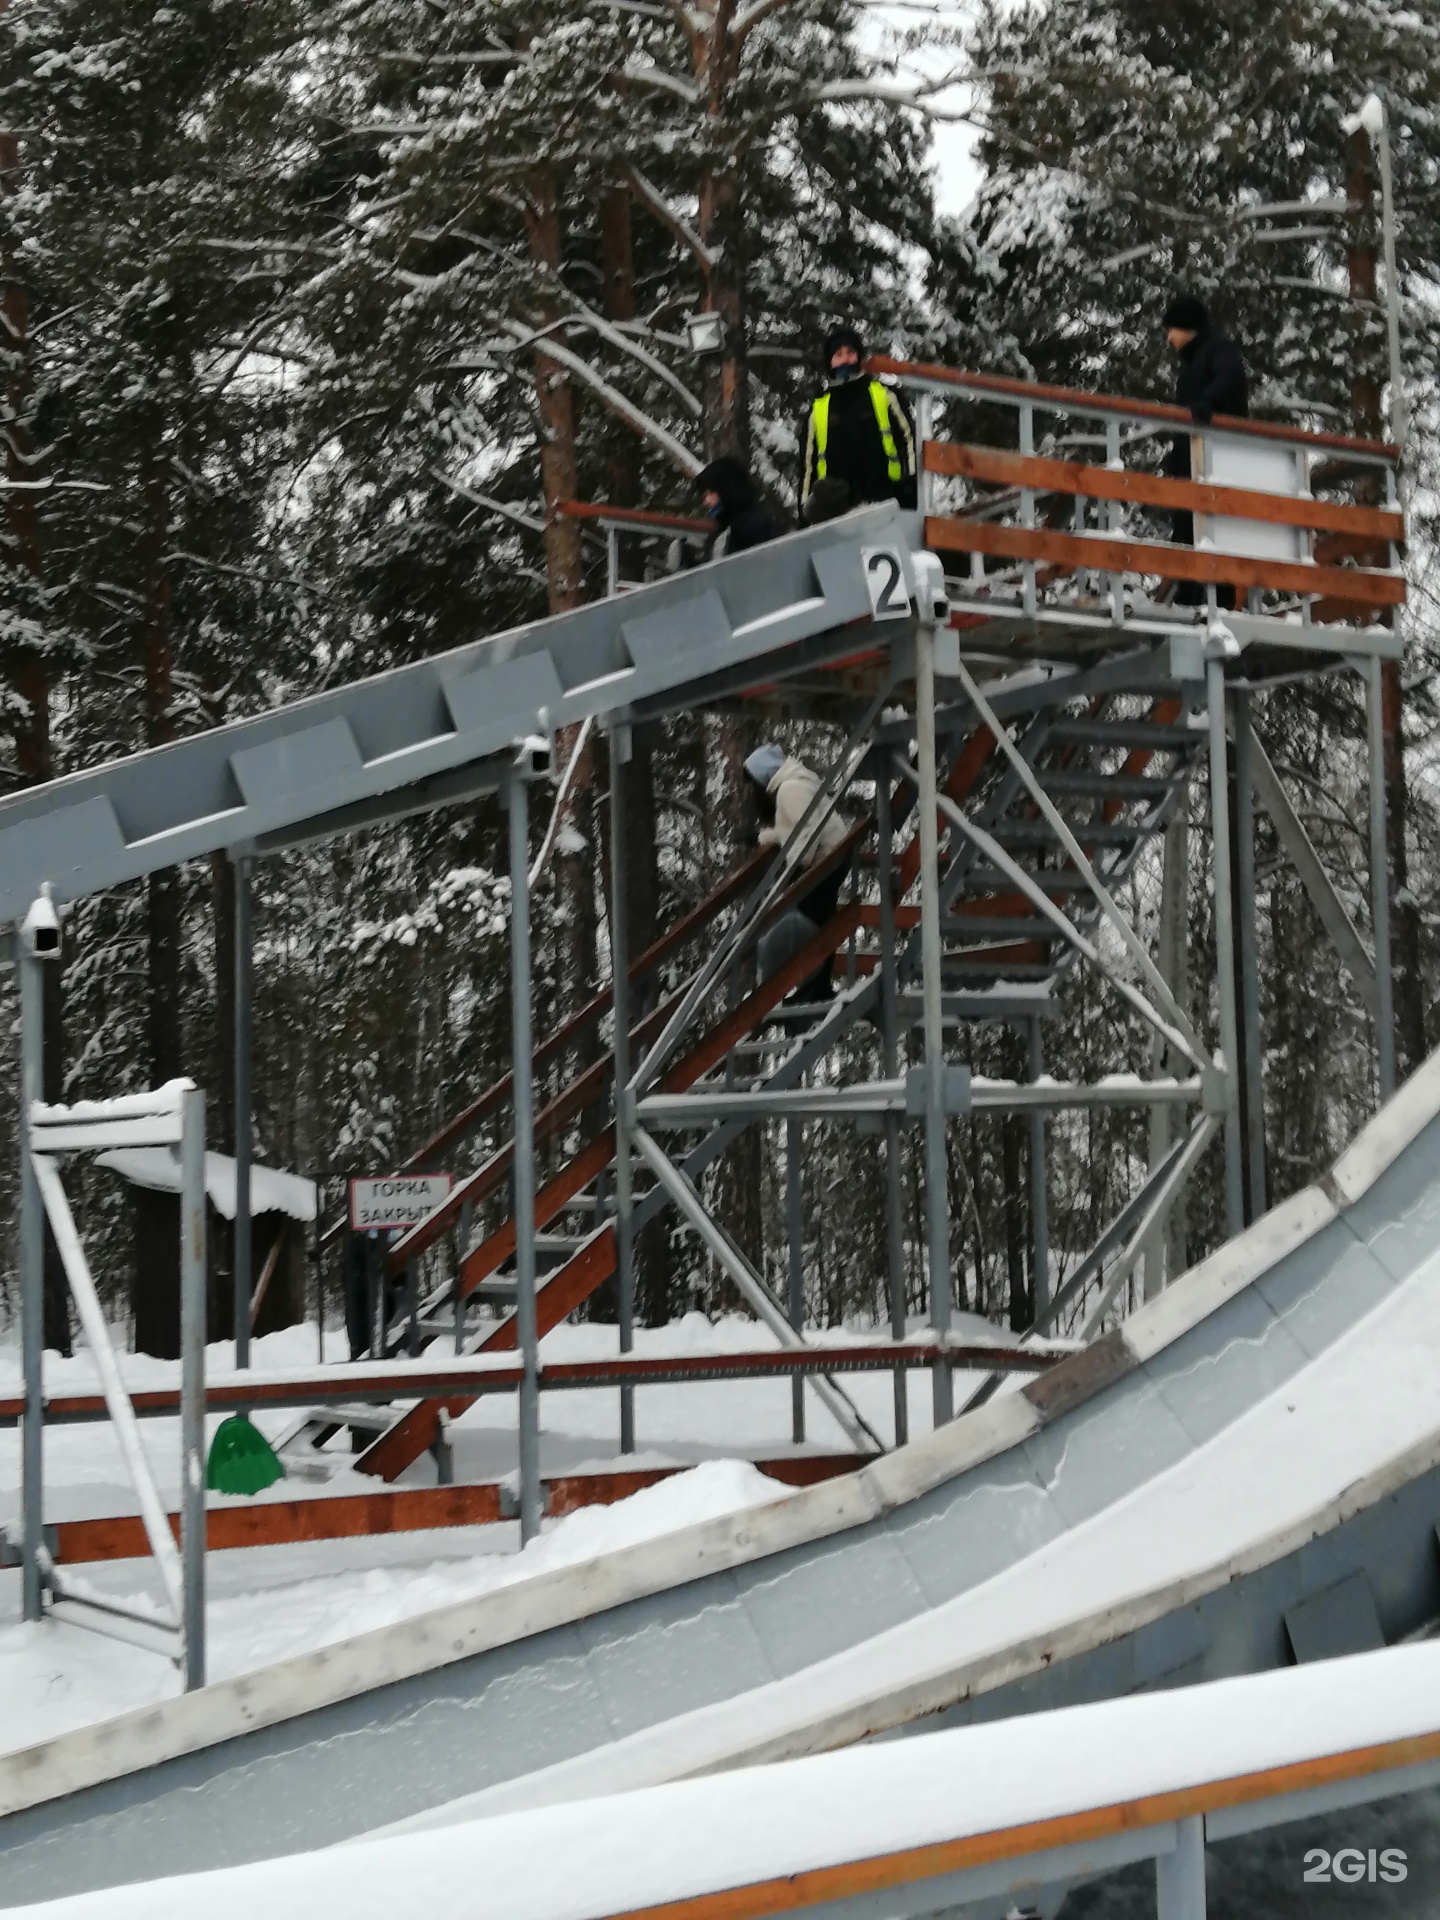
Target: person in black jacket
x=859, y=437
x=1210, y=379
x=742, y=519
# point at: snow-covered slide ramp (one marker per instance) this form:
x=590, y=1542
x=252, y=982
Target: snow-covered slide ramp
x=1248, y=1472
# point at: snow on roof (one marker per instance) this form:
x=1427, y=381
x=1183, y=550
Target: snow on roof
x=271, y=1191
x=671, y=1843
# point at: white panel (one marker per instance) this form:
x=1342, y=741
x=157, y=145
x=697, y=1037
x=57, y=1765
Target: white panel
x=1259, y=467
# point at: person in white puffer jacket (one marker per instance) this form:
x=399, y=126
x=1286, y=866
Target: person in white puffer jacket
x=787, y=786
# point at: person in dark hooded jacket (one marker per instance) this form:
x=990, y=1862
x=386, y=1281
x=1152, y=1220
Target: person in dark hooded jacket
x=1209, y=379
x=742, y=519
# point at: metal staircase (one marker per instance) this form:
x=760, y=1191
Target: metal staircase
x=1115, y=761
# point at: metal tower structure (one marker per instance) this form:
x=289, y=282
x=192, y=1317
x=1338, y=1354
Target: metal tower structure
x=1025, y=678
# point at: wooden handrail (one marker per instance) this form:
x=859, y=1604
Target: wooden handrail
x=1077, y=551
x=633, y=516
x=1002, y=387
x=879, y=1873
x=956, y=460
x=579, y=1022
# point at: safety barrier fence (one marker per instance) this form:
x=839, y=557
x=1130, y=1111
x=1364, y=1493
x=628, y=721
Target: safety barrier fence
x=1036, y=524
x=1171, y=1828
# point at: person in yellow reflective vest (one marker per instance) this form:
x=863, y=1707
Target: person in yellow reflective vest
x=859, y=437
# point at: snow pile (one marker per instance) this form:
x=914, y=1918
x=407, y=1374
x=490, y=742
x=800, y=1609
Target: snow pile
x=54, y=1678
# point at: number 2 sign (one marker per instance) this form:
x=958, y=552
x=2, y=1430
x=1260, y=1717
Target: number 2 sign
x=885, y=577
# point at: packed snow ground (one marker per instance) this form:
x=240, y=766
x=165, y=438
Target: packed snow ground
x=266, y=1604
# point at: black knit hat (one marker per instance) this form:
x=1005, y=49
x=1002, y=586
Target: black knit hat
x=842, y=336
x=1187, y=310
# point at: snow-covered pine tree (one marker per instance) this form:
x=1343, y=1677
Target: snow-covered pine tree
x=149, y=173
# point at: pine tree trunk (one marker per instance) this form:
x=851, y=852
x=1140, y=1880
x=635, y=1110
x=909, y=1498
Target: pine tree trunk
x=725, y=388
x=156, y=1285
x=653, y=1305
x=555, y=403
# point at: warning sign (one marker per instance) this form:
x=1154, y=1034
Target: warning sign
x=396, y=1199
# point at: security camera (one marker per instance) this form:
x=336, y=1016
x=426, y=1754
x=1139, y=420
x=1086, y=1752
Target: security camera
x=40, y=929
x=930, y=594
x=532, y=756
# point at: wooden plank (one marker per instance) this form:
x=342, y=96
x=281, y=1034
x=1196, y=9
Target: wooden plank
x=273, y=1523
x=1076, y=400
x=633, y=516
x=1364, y=525
x=1096, y=552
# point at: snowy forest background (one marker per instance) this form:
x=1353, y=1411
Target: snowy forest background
x=314, y=310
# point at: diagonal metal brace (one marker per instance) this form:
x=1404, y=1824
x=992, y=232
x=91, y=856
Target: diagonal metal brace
x=1311, y=869
x=719, y=1243
x=1134, y=945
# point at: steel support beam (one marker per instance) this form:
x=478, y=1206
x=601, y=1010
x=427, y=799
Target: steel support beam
x=1225, y=943
x=517, y=799
x=1316, y=881
x=620, y=749
x=1162, y=1259
x=244, y=956
x=32, y=1277
x=1039, y=1186
x=719, y=1244
x=795, y=1236
x=1180, y=1876
x=1380, y=883
x=192, y=1381
x=890, y=1066
x=937, y=1203
x=1249, y=970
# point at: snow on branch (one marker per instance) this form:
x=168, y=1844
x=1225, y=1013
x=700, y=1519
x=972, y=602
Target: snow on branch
x=669, y=216
x=585, y=315
x=919, y=99
x=611, y=397
x=483, y=500
x=651, y=76
x=751, y=15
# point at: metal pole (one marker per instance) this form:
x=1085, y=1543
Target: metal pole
x=924, y=431
x=32, y=1278
x=890, y=1057
x=192, y=1379
x=243, y=1027
x=620, y=749
x=937, y=1207
x=794, y=1135
x=518, y=800
x=1159, y=1263
x=1180, y=1876
x=1225, y=943
x=1039, y=1195
x=467, y=1222
x=1249, y=958
x=1399, y=405
x=1380, y=881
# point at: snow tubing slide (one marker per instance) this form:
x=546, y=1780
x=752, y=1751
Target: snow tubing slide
x=1246, y=1473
